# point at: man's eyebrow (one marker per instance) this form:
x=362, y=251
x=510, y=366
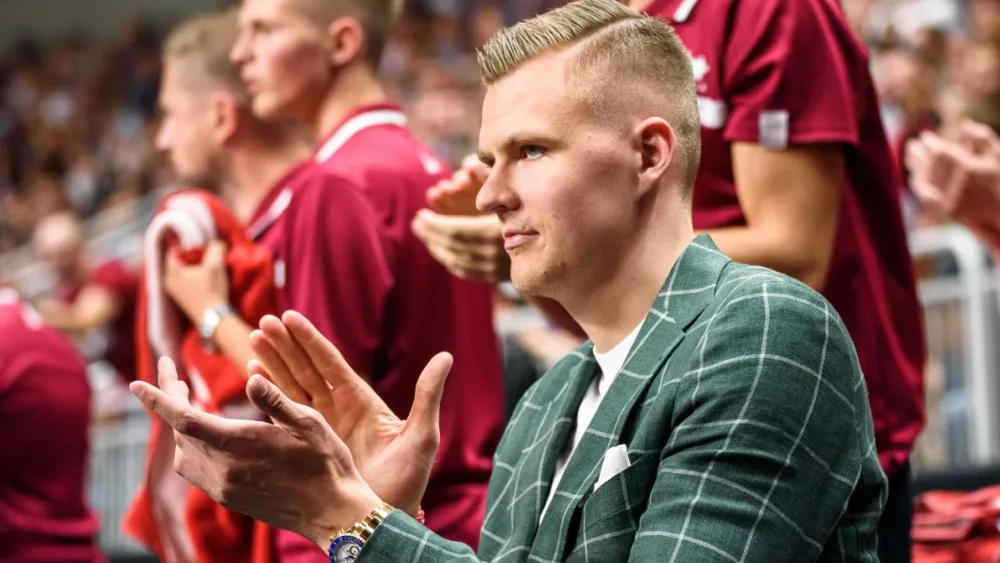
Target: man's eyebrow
x=485, y=157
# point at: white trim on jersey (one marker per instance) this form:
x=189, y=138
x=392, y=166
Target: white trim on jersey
x=712, y=113
x=354, y=126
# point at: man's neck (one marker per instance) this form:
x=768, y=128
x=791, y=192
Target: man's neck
x=611, y=309
x=254, y=170
x=356, y=87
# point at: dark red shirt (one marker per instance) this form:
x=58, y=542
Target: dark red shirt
x=777, y=72
x=114, y=343
x=45, y=417
x=346, y=258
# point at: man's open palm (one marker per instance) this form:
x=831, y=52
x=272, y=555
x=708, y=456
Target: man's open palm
x=394, y=456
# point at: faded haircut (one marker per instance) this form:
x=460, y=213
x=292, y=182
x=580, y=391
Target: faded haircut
x=377, y=17
x=205, y=42
x=620, y=57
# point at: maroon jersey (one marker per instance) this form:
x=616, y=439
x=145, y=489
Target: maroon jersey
x=45, y=417
x=791, y=72
x=339, y=228
x=116, y=342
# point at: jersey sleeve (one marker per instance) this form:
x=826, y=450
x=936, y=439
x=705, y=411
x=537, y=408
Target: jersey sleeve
x=790, y=73
x=338, y=274
x=115, y=277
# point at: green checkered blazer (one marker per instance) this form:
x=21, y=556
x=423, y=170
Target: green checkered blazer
x=748, y=430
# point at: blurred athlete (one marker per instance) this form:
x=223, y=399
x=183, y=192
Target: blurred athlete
x=45, y=416
x=94, y=302
x=350, y=266
x=797, y=176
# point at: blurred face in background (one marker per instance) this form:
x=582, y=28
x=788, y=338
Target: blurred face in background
x=187, y=127
x=58, y=243
x=284, y=59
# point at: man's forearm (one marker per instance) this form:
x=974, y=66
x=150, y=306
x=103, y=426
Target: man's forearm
x=233, y=338
x=749, y=246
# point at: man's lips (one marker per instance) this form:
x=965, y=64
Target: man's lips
x=513, y=238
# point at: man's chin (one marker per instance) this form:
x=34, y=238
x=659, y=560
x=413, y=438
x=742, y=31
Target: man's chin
x=267, y=108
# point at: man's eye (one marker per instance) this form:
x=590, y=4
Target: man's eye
x=531, y=152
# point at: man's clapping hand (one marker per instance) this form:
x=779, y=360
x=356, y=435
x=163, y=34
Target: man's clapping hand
x=394, y=456
x=961, y=177
x=295, y=474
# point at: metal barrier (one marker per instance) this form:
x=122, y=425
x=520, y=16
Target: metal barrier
x=959, y=302
x=117, y=467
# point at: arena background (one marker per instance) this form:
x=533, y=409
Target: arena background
x=78, y=84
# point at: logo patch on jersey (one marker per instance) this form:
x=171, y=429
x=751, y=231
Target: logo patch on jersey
x=431, y=164
x=774, y=129
x=280, y=274
x=699, y=65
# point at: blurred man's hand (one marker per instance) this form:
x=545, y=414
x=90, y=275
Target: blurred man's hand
x=961, y=178
x=199, y=287
x=295, y=474
x=394, y=456
x=470, y=247
x=457, y=195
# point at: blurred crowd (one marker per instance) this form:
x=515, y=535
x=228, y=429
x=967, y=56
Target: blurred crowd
x=78, y=116
x=935, y=62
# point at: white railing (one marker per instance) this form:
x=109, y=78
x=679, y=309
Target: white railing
x=960, y=317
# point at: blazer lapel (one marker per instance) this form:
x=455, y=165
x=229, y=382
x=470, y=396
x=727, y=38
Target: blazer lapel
x=547, y=433
x=684, y=295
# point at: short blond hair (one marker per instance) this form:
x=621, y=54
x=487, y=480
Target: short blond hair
x=620, y=56
x=206, y=42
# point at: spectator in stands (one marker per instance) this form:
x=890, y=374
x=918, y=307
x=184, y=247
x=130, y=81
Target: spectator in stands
x=45, y=416
x=95, y=301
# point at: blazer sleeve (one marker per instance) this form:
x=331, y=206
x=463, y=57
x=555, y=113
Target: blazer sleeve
x=401, y=538
x=772, y=436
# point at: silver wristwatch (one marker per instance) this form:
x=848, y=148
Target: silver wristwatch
x=210, y=322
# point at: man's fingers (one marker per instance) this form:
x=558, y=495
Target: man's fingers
x=215, y=253
x=927, y=193
x=979, y=138
x=462, y=229
x=169, y=382
x=321, y=352
x=184, y=418
x=275, y=368
x=426, y=409
x=295, y=418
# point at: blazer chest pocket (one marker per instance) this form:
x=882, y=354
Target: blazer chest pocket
x=610, y=515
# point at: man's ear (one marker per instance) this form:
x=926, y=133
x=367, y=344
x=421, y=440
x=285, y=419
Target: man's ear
x=225, y=116
x=347, y=40
x=658, y=146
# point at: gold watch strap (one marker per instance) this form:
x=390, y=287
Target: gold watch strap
x=365, y=528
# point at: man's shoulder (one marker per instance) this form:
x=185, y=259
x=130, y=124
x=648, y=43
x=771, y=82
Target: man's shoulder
x=750, y=292
x=760, y=319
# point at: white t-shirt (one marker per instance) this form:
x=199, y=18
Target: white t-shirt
x=611, y=363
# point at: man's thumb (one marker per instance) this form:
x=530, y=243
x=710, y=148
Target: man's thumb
x=426, y=409
x=271, y=401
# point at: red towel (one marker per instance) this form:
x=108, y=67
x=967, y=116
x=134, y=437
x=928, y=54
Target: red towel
x=170, y=517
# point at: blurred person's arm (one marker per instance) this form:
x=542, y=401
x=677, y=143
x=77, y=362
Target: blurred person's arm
x=791, y=201
x=96, y=306
x=201, y=287
x=790, y=129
